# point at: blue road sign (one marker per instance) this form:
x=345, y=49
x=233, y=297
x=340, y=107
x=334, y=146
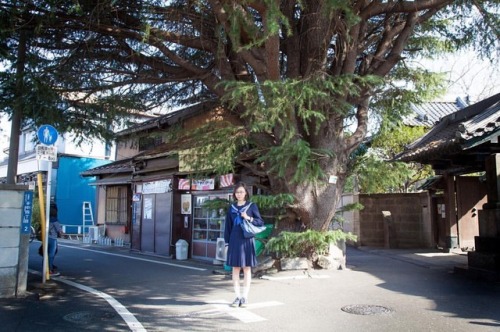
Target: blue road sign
x=26, y=213
x=47, y=134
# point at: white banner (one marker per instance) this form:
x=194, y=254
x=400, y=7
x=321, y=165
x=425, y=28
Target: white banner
x=157, y=187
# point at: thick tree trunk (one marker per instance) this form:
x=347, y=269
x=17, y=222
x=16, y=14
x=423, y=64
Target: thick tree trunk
x=18, y=110
x=315, y=206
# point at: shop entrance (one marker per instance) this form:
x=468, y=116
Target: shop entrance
x=156, y=223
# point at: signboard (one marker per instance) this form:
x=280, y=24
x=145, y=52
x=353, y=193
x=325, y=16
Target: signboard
x=204, y=184
x=185, y=204
x=47, y=135
x=157, y=187
x=136, y=197
x=46, y=152
x=184, y=184
x=26, y=213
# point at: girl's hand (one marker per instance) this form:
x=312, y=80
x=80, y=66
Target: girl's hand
x=244, y=215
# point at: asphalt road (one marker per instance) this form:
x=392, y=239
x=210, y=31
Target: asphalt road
x=111, y=289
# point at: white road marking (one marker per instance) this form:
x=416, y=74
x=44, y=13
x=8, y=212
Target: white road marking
x=137, y=258
x=295, y=277
x=243, y=314
x=127, y=316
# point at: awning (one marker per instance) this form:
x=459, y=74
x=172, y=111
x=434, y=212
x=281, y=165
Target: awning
x=154, y=177
x=434, y=183
x=111, y=181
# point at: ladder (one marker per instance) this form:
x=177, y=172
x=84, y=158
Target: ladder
x=88, y=217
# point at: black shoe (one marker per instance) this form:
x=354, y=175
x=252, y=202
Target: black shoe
x=243, y=303
x=236, y=302
x=54, y=274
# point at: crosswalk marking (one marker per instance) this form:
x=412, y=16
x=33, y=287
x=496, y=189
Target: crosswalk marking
x=243, y=314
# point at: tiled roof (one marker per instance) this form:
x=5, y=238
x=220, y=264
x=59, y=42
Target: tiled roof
x=428, y=114
x=163, y=150
x=170, y=118
x=120, y=166
x=457, y=132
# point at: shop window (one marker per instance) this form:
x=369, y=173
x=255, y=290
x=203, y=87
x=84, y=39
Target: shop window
x=208, y=225
x=116, y=204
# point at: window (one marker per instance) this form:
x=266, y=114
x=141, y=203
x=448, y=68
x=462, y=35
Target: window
x=208, y=225
x=29, y=142
x=116, y=204
x=146, y=143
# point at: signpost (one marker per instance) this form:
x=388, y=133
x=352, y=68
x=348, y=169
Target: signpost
x=47, y=135
x=44, y=152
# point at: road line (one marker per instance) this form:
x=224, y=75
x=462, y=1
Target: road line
x=136, y=258
x=127, y=316
x=259, y=305
x=242, y=313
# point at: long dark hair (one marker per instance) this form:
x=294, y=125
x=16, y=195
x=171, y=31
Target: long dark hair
x=244, y=186
x=53, y=211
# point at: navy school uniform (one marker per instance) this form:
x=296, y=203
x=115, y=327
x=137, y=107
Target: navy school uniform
x=241, y=251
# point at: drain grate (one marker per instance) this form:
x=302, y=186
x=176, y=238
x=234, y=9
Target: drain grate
x=365, y=309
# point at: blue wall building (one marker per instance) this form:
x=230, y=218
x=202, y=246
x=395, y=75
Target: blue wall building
x=71, y=189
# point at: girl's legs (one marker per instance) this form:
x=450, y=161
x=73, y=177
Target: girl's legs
x=236, y=281
x=247, y=280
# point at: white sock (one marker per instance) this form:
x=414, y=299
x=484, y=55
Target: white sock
x=246, y=290
x=237, y=289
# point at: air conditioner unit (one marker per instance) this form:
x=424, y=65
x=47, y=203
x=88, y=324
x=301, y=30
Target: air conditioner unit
x=94, y=233
x=220, y=250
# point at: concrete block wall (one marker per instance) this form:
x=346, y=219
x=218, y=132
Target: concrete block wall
x=410, y=217
x=13, y=246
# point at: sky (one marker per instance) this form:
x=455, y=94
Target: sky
x=467, y=76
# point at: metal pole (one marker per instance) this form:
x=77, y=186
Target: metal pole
x=41, y=202
x=46, y=267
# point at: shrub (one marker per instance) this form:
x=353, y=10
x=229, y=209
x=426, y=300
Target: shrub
x=305, y=244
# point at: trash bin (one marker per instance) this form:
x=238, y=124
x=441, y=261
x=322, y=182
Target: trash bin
x=181, y=250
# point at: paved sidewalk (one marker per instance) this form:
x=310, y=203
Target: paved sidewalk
x=430, y=258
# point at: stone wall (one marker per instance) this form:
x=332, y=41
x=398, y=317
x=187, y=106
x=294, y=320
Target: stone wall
x=13, y=246
x=407, y=226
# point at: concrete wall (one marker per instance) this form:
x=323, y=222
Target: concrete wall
x=350, y=219
x=409, y=226
x=13, y=247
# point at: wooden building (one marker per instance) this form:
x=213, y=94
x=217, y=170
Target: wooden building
x=459, y=146
x=147, y=197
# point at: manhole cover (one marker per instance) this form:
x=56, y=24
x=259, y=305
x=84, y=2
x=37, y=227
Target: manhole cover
x=80, y=317
x=84, y=317
x=364, y=309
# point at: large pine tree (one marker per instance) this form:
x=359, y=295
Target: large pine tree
x=294, y=72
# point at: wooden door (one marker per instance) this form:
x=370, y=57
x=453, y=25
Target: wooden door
x=163, y=223
x=471, y=195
